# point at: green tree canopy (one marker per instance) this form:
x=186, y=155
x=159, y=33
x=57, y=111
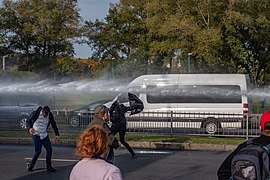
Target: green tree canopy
x=40, y=29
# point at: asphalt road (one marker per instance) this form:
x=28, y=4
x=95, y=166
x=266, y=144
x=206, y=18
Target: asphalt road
x=150, y=164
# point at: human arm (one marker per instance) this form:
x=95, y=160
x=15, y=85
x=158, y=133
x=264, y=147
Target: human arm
x=54, y=125
x=125, y=108
x=224, y=171
x=31, y=119
x=31, y=131
x=113, y=142
x=57, y=138
x=29, y=123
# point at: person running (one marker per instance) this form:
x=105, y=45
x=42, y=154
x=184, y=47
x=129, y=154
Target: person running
x=119, y=124
x=37, y=125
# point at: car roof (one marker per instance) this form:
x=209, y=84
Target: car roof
x=94, y=104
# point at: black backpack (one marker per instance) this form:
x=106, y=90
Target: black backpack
x=251, y=162
x=116, y=113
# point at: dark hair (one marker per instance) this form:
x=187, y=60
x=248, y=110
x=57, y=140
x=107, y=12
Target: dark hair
x=46, y=109
x=267, y=126
x=266, y=130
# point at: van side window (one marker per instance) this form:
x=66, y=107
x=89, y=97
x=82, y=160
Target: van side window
x=195, y=94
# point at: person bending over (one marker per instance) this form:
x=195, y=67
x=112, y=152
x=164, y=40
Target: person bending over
x=37, y=125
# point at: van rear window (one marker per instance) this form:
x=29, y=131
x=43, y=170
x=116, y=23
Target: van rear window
x=194, y=94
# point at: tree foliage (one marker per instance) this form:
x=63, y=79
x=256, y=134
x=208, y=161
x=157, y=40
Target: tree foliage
x=39, y=29
x=139, y=37
x=68, y=66
x=230, y=36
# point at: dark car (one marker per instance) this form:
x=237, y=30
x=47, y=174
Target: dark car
x=15, y=109
x=84, y=115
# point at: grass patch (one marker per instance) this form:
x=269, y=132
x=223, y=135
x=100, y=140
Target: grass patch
x=186, y=139
x=137, y=137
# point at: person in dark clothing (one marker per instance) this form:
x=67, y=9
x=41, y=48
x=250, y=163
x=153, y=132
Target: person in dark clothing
x=224, y=171
x=121, y=126
x=37, y=125
x=101, y=117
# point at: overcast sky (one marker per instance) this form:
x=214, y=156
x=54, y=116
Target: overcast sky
x=91, y=10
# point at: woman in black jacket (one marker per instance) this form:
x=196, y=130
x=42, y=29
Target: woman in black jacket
x=119, y=124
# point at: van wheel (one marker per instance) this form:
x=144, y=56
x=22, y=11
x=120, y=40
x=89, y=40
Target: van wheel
x=22, y=121
x=211, y=127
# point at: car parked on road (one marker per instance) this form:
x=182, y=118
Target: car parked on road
x=16, y=107
x=84, y=115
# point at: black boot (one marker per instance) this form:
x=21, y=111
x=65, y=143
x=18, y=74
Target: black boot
x=50, y=169
x=29, y=166
x=134, y=156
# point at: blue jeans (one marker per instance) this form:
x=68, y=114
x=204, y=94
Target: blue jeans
x=38, y=147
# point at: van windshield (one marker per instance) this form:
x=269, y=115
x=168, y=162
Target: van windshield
x=194, y=94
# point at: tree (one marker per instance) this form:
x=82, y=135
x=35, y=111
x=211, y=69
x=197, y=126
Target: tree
x=188, y=26
x=246, y=37
x=68, y=66
x=122, y=33
x=40, y=29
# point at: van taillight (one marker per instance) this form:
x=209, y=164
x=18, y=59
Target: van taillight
x=245, y=111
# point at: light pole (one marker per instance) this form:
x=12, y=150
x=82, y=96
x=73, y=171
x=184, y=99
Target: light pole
x=189, y=62
x=4, y=62
x=113, y=58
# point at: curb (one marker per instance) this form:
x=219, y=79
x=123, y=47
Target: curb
x=182, y=146
x=135, y=144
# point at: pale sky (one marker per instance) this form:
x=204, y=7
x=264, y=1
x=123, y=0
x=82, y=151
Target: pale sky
x=91, y=10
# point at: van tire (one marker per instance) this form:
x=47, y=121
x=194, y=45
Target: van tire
x=211, y=127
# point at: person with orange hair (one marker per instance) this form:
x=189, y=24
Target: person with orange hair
x=92, y=148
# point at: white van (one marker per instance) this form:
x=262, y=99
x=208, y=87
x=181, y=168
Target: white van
x=209, y=101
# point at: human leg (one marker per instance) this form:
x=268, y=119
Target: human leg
x=48, y=146
x=38, y=148
x=114, y=132
x=122, y=134
x=110, y=157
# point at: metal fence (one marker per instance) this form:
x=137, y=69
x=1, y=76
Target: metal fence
x=173, y=123
x=169, y=123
